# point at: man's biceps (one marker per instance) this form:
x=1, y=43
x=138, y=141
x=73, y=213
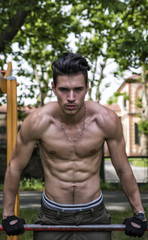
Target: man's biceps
x=22, y=150
x=21, y=158
x=112, y=143
x=25, y=137
x=24, y=142
x=117, y=140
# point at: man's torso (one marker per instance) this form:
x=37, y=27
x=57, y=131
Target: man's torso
x=72, y=168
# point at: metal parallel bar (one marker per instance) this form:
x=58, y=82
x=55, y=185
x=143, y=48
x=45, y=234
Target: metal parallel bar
x=38, y=227
x=71, y=228
x=108, y=227
x=34, y=227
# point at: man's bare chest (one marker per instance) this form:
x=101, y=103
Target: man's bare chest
x=55, y=143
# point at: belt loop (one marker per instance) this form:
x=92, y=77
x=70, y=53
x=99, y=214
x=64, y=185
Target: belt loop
x=58, y=214
x=92, y=210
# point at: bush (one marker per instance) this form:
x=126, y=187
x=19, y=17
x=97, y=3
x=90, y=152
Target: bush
x=31, y=184
x=143, y=126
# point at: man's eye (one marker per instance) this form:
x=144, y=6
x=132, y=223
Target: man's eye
x=78, y=89
x=64, y=89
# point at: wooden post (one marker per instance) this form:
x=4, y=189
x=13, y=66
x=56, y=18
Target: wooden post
x=12, y=128
x=8, y=85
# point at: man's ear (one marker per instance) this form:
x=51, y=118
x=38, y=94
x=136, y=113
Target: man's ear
x=87, y=86
x=53, y=87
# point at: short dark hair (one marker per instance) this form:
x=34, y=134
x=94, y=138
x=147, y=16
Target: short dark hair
x=70, y=64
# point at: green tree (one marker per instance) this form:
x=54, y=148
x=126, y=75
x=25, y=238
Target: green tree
x=37, y=36
x=103, y=29
x=92, y=42
x=129, y=48
x=120, y=33
x=41, y=29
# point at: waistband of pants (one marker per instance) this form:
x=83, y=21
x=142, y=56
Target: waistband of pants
x=70, y=208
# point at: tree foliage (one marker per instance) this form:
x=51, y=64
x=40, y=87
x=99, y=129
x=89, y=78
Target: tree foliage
x=143, y=126
x=36, y=38
x=128, y=42
x=36, y=31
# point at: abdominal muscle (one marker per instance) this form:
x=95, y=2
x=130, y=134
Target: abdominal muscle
x=66, y=182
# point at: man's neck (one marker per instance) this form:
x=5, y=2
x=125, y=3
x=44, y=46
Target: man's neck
x=74, y=118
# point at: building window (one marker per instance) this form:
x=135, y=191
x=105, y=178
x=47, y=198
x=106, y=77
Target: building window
x=124, y=103
x=137, y=140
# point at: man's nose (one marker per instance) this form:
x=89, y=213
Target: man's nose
x=71, y=96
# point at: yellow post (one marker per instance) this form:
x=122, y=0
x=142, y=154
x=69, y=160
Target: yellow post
x=12, y=128
x=8, y=85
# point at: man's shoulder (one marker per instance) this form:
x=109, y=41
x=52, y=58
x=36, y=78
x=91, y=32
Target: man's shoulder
x=100, y=110
x=39, y=119
x=43, y=112
x=105, y=117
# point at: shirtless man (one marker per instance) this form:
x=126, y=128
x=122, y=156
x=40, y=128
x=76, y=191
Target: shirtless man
x=71, y=133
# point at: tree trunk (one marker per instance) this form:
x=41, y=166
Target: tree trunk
x=98, y=94
x=7, y=35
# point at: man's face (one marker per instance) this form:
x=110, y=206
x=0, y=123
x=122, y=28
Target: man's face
x=70, y=92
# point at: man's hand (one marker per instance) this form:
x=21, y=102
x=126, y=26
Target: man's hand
x=135, y=227
x=13, y=225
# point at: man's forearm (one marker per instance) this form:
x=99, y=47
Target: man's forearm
x=11, y=185
x=131, y=190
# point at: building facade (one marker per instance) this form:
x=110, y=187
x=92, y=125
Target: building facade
x=126, y=108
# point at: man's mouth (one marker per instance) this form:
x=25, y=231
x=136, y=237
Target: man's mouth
x=71, y=107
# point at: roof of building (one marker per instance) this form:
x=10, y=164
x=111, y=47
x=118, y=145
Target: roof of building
x=26, y=109
x=3, y=108
x=135, y=77
x=115, y=107
x=132, y=79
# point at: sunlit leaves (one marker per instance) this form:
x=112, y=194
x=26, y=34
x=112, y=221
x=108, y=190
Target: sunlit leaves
x=102, y=29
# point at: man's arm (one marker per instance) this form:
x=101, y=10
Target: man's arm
x=116, y=145
x=25, y=143
x=31, y=130
x=135, y=226
x=24, y=146
x=20, y=157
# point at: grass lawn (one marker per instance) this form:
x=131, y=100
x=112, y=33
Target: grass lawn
x=117, y=218
x=136, y=162
x=139, y=162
